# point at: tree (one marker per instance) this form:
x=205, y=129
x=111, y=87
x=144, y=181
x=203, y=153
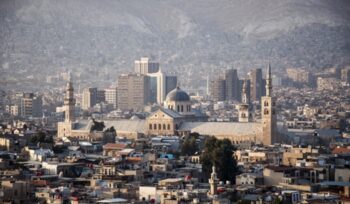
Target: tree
x=41, y=137
x=189, y=146
x=111, y=129
x=219, y=153
x=97, y=126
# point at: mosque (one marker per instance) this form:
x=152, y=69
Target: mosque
x=176, y=117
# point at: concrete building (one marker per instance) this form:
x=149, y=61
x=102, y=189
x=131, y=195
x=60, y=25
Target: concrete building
x=111, y=96
x=232, y=85
x=89, y=98
x=146, y=66
x=157, y=89
x=170, y=83
x=31, y=105
x=13, y=109
x=218, y=89
x=15, y=191
x=256, y=84
x=328, y=83
x=132, y=91
x=101, y=96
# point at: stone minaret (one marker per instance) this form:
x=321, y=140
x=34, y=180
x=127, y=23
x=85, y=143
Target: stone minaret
x=213, y=181
x=69, y=102
x=268, y=113
x=243, y=109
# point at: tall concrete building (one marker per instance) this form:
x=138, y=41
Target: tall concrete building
x=111, y=96
x=31, y=105
x=218, y=89
x=101, y=96
x=146, y=66
x=232, y=85
x=132, y=91
x=157, y=82
x=89, y=98
x=170, y=83
x=256, y=84
x=268, y=113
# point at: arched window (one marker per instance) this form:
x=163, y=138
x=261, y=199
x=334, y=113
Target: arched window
x=159, y=126
x=266, y=111
x=178, y=108
x=243, y=115
x=182, y=108
x=150, y=126
x=168, y=126
x=164, y=128
x=155, y=126
x=266, y=103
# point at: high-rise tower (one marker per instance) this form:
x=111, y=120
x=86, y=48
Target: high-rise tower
x=268, y=112
x=232, y=85
x=69, y=102
x=257, y=87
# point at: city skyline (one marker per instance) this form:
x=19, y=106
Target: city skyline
x=175, y=102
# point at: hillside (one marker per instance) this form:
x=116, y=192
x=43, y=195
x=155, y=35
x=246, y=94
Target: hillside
x=101, y=38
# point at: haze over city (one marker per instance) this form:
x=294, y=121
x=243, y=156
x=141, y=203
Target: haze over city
x=175, y=101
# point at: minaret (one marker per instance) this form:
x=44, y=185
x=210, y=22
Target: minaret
x=268, y=113
x=69, y=102
x=244, y=93
x=213, y=181
x=268, y=86
x=243, y=109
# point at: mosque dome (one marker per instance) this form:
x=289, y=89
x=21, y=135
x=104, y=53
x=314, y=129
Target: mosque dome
x=177, y=95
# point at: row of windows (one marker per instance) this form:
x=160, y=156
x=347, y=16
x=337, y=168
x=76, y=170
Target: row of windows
x=159, y=126
x=180, y=108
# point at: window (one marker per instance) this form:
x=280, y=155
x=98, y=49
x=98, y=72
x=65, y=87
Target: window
x=266, y=103
x=164, y=128
x=150, y=126
x=178, y=108
x=159, y=126
x=182, y=108
x=266, y=112
x=168, y=126
x=340, y=178
x=155, y=126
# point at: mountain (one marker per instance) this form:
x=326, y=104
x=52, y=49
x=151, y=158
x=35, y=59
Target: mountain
x=104, y=37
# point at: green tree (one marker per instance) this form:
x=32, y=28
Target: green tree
x=41, y=137
x=98, y=126
x=111, y=129
x=219, y=153
x=189, y=146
